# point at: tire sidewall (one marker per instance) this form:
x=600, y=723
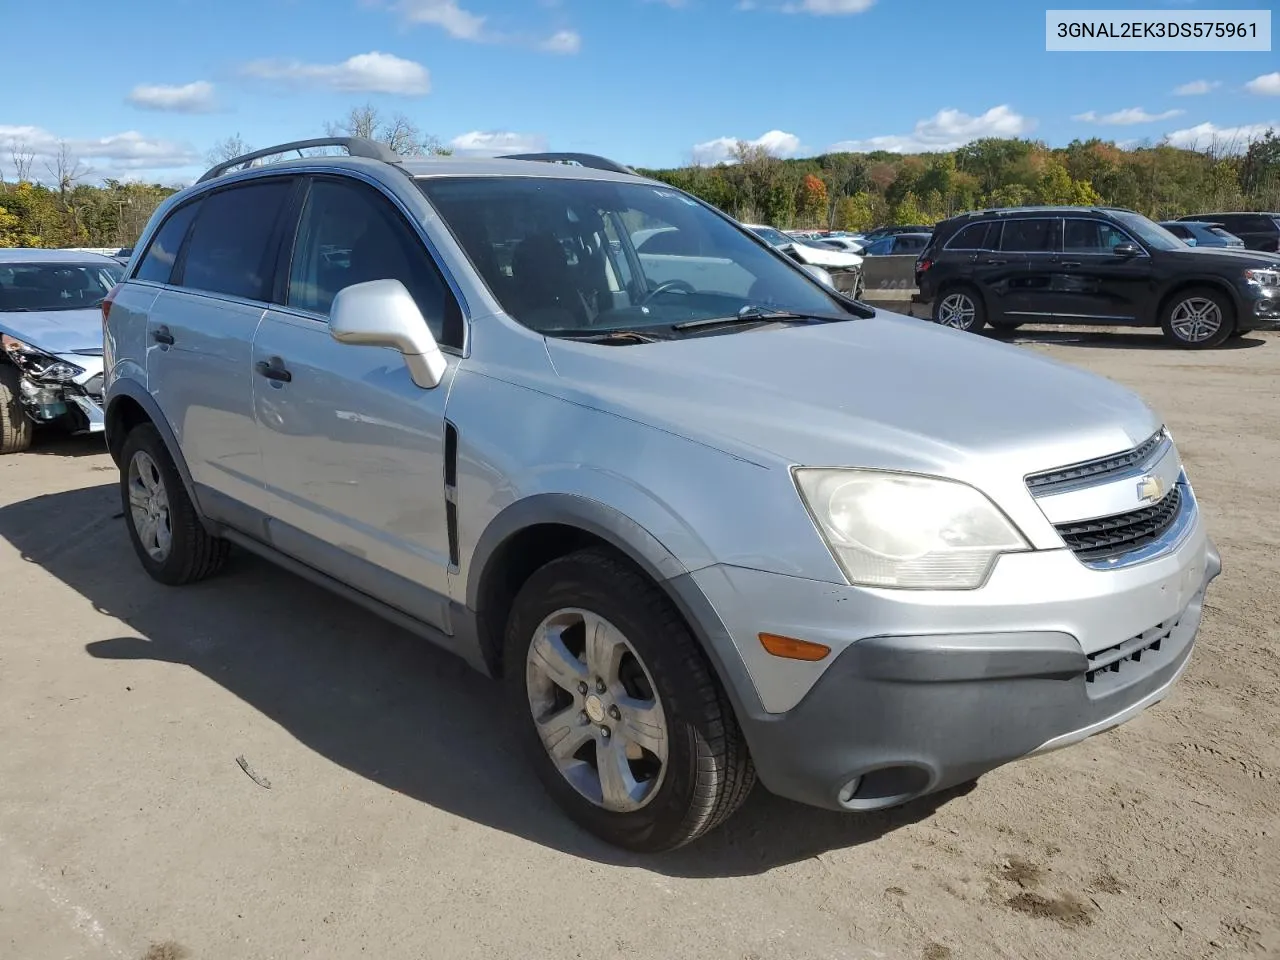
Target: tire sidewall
x=575, y=583
x=979, y=309
x=1225, y=307
x=147, y=439
x=17, y=426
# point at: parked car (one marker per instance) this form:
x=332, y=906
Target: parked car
x=1259, y=231
x=51, y=341
x=688, y=506
x=1199, y=233
x=897, y=244
x=879, y=232
x=1092, y=265
x=844, y=268
x=847, y=244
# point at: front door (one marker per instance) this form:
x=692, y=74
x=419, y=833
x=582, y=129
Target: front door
x=353, y=449
x=1092, y=282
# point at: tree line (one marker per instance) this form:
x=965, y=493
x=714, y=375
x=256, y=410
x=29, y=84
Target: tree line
x=57, y=207
x=852, y=191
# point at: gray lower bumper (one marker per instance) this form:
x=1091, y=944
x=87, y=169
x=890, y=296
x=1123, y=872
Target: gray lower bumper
x=913, y=715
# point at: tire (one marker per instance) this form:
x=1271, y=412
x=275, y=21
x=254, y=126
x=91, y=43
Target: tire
x=15, y=426
x=959, y=308
x=174, y=547
x=1198, y=318
x=663, y=682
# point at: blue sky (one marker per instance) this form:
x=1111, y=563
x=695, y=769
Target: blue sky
x=143, y=88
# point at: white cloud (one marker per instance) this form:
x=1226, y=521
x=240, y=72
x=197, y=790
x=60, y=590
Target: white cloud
x=482, y=143
x=1226, y=139
x=195, y=97
x=945, y=130
x=445, y=14
x=1127, y=117
x=828, y=8
x=1196, y=88
x=776, y=142
x=1268, y=85
x=364, y=73
x=562, y=41
x=126, y=155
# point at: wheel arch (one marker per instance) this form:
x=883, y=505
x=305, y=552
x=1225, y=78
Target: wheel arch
x=531, y=532
x=1216, y=284
x=129, y=406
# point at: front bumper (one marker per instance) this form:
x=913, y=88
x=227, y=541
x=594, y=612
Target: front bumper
x=77, y=402
x=1261, y=309
x=956, y=692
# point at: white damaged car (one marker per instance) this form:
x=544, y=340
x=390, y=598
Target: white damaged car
x=51, y=341
x=845, y=268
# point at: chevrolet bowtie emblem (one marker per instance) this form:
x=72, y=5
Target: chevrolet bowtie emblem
x=1150, y=490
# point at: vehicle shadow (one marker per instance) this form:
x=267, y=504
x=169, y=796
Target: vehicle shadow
x=55, y=443
x=1116, y=339
x=372, y=698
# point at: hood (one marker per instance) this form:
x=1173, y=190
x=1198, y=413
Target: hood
x=1245, y=257
x=56, y=331
x=890, y=392
x=825, y=257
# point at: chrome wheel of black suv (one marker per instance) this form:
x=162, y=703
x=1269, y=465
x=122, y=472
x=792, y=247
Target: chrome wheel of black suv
x=1198, y=318
x=960, y=310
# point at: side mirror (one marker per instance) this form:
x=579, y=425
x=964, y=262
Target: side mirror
x=382, y=313
x=1126, y=250
x=818, y=274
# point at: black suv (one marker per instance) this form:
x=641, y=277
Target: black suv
x=1095, y=266
x=1259, y=231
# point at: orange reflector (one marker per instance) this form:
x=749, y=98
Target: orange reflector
x=793, y=649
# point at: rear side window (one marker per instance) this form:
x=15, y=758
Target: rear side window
x=231, y=250
x=1029, y=236
x=976, y=236
x=349, y=233
x=157, y=265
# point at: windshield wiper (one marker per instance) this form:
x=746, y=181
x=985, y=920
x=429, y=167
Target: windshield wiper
x=607, y=336
x=754, y=314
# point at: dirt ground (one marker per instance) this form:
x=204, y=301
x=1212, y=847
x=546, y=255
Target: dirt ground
x=399, y=823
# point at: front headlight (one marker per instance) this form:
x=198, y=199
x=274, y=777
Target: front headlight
x=1263, y=277
x=37, y=364
x=907, y=531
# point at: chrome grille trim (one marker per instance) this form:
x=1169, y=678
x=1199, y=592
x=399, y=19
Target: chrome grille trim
x=1101, y=469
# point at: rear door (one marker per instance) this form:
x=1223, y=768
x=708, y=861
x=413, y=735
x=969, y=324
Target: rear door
x=353, y=449
x=1034, y=243
x=1092, y=282
x=200, y=332
x=1000, y=276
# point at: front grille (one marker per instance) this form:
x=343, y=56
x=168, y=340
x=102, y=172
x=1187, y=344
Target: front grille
x=1099, y=470
x=93, y=387
x=1117, y=666
x=1113, y=536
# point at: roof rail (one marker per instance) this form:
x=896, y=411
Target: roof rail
x=356, y=147
x=573, y=159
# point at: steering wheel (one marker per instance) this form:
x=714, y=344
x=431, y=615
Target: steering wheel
x=661, y=288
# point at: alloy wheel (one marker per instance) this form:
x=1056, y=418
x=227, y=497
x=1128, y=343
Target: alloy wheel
x=596, y=710
x=957, y=310
x=1196, y=319
x=149, y=506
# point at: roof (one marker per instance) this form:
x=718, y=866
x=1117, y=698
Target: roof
x=502, y=167
x=1050, y=209
x=41, y=255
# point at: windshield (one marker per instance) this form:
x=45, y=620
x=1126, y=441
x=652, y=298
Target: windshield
x=29, y=287
x=585, y=257
x=775, y=238
x=1149, y=232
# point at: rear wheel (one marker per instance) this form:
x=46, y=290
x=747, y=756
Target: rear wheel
x=1198, y=318
x=617, y=707
x=15, y=426
x=959, y=308
x=167, y=534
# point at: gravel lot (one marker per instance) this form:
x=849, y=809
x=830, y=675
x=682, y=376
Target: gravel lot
x=399, y=823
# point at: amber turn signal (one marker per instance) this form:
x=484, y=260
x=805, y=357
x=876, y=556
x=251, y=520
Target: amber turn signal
x=792, y=649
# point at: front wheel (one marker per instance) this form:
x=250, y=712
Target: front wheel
x=1198, y=319
x=617, y=707
x=15, y=425
x=960, y=310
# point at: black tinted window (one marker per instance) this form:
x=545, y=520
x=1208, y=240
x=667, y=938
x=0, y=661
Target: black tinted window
x=1175, y=229
x=349, y=234
x=975, y=237
x=1029, y=236
x=157, y=265
x=229, y=249
x=1094, y=236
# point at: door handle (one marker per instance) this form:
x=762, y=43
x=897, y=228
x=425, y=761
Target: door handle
x=161, y=334
x=995, y=263
x=273, y=369
x=1068, y=263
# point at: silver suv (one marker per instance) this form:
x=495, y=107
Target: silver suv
x=710, y=519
